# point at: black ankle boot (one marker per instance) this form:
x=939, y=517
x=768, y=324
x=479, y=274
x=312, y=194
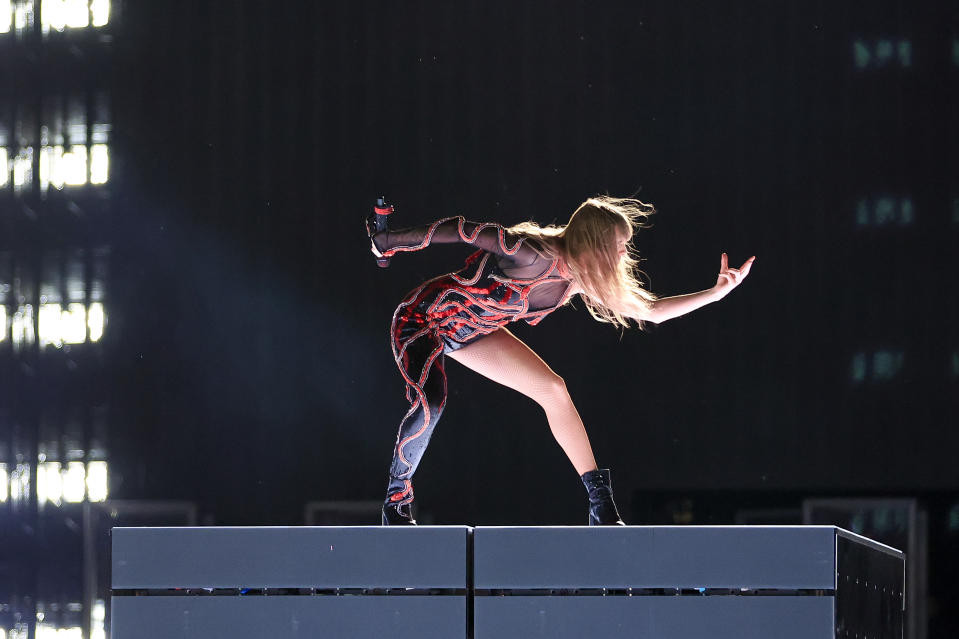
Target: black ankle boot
x=602, y=509
x=398, y=507
x=401, y=515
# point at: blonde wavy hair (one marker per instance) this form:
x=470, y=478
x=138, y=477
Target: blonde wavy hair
x=588, y=245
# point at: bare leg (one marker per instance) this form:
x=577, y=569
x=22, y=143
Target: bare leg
x=503, y=358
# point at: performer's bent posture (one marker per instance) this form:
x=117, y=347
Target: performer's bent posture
x=521, y=272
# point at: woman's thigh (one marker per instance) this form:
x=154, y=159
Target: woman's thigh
x=503, y=358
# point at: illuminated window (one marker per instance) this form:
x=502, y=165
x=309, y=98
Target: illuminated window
x=73, y=14
x=885, y=211
x=882, y=365
x=4, y=482
x=3, y=322
x=882, y=53
x=4, y=167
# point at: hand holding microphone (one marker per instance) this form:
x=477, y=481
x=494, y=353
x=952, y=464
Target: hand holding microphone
x=376, y=223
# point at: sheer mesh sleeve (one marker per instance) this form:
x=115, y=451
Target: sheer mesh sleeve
x=488, y=236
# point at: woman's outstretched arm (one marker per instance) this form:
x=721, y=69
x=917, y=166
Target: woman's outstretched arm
x=666, y=308
x=489, y=236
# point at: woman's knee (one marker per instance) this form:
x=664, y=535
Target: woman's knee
x=550, y=389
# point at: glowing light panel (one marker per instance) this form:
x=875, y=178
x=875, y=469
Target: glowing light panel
x=50, y=325
x=99, y=164
x=23, y=168
x=95, y=321
x=20, y=483
x=74, y=482
x=60, y=14
x=47, y=631
x=22, y=326
x=73, y=324
x=6, y=21
x=885, y=211
x=97, y=620
x=882, y=53
x=49, y=483
x=23, y=15
x=100, y=9
x=4, y=481
x=59, y=327
x=97, y=481
x=61, y=169
x=58, y=168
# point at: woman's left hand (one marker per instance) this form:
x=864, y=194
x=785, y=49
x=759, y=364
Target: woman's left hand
x=730, y=278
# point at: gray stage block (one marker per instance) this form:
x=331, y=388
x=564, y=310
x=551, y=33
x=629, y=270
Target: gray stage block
x=278, y=617
x=684, y=582
x=651, y=617
x=362, y=582
x=290, y=557
x=655, y=557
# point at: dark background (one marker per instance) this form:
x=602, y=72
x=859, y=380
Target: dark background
x=254, y=341
x=246, y=363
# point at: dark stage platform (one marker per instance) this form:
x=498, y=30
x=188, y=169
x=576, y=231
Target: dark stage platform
x=443, y=582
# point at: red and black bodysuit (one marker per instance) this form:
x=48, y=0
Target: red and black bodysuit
x=505, y=281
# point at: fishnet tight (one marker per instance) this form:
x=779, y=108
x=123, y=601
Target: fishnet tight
x=503, y=358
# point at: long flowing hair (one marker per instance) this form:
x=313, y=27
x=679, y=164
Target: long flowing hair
x=588, y=245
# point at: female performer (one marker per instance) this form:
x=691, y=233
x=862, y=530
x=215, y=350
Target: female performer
x=520, y=272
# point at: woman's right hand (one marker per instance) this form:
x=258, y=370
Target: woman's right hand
x=373, y=248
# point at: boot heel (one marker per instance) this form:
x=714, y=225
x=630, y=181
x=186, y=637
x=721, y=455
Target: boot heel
x=398, y=515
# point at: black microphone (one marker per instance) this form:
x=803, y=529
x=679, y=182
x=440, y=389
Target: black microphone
x=376, y=222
